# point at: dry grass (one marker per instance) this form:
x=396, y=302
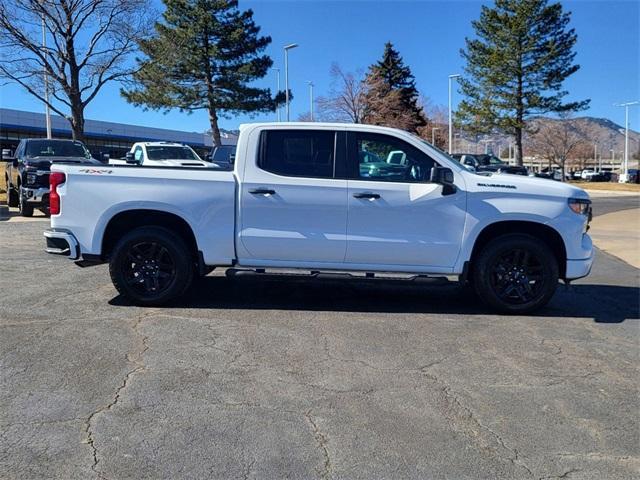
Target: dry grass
x=618, y=187
x=3, y=188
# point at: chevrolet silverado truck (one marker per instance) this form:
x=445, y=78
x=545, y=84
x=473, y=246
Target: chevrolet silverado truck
x=27, y=173
x=299, y=198
x=161, y=154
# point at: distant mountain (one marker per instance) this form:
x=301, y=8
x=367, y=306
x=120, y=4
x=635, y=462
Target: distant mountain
x=606, y=133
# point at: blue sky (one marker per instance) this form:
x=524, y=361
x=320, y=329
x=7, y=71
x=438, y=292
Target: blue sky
x=428, y=34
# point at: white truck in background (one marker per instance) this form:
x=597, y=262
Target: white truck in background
x=324, y=197
x=162, y=154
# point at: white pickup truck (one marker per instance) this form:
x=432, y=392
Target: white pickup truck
x=324, y=197
x=161, y=154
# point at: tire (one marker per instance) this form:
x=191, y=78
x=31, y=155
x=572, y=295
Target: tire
x=151, y=266
x=515, y=274
x=12, y=196
x=25, y=209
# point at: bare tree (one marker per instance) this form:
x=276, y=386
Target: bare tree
x=88, y=45
x=557, y=140
x=345, y=101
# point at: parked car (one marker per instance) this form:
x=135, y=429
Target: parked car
x=27, y=173
x=488, y=163
x=223, y=156
x=161, y=154
x=587, y=173
x=550, y=173
x=297, y=198
x=603, y=176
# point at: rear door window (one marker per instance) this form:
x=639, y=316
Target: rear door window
x=298, y=153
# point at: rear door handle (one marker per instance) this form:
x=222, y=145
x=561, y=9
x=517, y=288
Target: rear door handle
x=262, y=191
x=370, y=196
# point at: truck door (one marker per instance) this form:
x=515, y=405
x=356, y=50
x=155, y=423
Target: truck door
x=396, y=216
x=293, y=205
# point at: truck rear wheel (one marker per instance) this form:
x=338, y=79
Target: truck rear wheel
x=151, y=266
x=515, y=274
x=25, y=209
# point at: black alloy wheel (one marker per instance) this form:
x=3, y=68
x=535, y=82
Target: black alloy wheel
x=515, y=274
x=151, y=266
x=149, y=269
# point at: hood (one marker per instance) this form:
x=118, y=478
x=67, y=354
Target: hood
x=520, y=184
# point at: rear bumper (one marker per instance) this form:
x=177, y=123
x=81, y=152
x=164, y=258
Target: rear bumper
x=62, y=242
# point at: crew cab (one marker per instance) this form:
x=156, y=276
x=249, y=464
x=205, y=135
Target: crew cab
x=161, y=154
x=488, y=163
x=299, y=197
x=27, y=173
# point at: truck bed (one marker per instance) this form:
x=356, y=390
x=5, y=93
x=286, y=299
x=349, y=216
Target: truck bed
x=205, y=199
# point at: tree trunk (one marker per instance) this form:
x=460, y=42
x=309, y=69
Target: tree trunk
x=215, y=130
x=519, y=155
x=77, y=122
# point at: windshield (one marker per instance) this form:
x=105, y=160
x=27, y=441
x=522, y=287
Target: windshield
x=489, y=160
x=56, y=148
x=161, y=152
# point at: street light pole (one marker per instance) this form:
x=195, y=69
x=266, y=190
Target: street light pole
x=286, y=74
x=433, y=137
x=451, y=77
x=47, y=112
x=311, y=99
x=277, y=91
x=624, y=178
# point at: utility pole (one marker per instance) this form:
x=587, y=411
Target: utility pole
x=277, y=91
x=451, y=77
x=311, y=98
x=47, y=112
x=595, y=155
x=286, y=74
x=624, y=178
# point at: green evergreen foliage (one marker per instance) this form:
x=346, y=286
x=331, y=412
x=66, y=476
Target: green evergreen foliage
x=204, y=55
x=516, y=67
x=391, y=96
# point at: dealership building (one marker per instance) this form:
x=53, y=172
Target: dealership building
x=101, y=138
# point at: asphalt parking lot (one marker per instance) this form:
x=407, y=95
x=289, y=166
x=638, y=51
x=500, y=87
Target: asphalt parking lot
x=272, y=376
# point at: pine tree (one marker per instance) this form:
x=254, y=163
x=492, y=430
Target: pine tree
x=204, y=55
x=516, y=66
x=391, y=97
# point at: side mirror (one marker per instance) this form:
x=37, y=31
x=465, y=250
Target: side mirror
x=444, y=177
x=129, y=158
x=105, y=157
x=232, y=158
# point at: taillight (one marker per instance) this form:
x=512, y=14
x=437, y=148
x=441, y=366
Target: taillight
x=55, y=179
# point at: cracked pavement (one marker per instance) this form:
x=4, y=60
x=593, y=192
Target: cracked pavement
x=282, y=376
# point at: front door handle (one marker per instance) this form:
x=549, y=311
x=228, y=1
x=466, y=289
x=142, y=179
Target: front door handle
x=262, y=191
x=370, y=196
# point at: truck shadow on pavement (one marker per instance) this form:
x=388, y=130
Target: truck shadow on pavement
x=253, y=291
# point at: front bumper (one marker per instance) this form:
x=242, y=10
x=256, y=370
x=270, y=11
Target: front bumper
x=62, y=242
x=37, y=195
x=581, y=267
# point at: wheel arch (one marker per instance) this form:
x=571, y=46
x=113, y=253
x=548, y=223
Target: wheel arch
x=126, y=220
x=550, y=236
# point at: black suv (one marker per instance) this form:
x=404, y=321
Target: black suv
x=488, y=163
x=27, y=173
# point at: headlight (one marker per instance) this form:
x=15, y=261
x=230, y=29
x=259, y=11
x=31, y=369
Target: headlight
x=32, y=178
x=580, y=206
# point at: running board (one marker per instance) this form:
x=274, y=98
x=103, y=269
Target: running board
x=425, y=279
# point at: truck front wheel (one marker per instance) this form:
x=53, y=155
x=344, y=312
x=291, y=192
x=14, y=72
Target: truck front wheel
x=151, y=266
x=12, y=195
x=515, y=274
